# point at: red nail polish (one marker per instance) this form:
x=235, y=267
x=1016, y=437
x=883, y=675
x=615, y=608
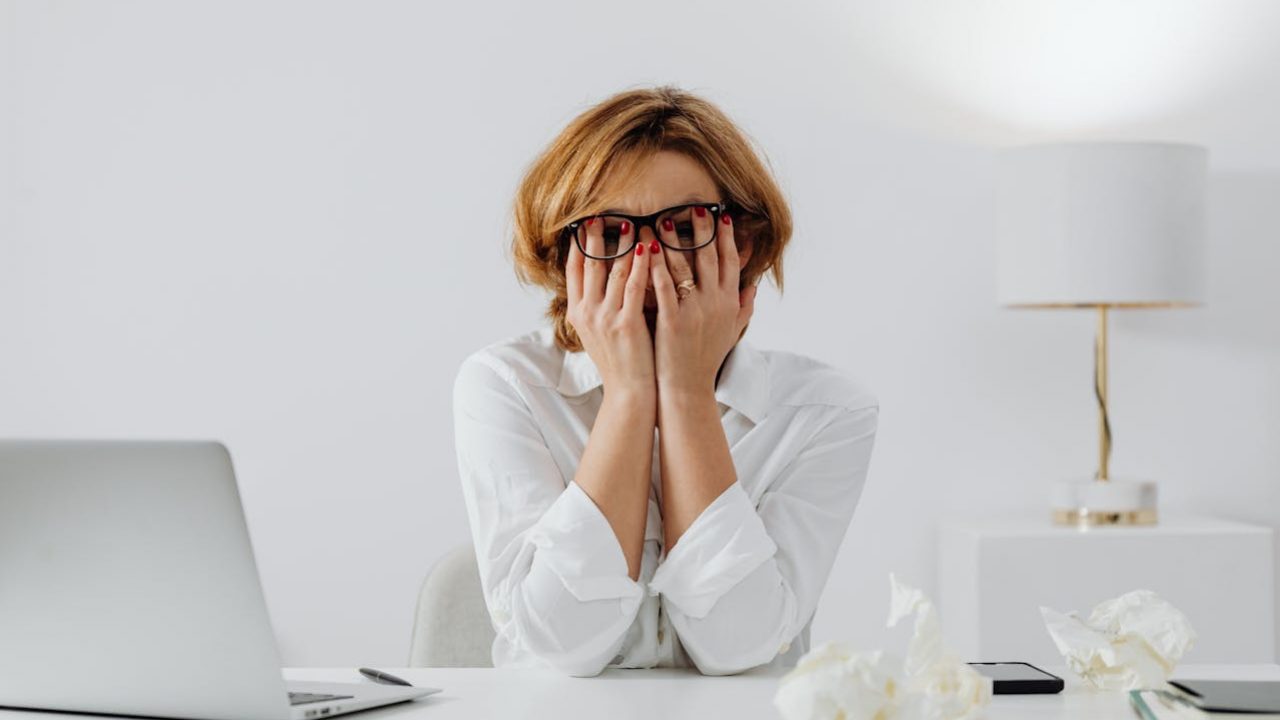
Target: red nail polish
x=589, y=221
x=626, y=226
x=725, y=218
x=653, y=246
x=639, y=248
x=702, y=212
x=668, y=225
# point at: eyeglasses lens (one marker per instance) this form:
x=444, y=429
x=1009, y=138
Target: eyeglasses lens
x=603, y=239
x=682, y=220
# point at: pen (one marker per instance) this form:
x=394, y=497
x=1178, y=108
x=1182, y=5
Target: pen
x=384, y=678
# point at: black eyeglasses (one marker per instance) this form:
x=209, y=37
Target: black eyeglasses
x=673, y=227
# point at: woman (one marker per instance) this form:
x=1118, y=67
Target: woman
x=646, y=489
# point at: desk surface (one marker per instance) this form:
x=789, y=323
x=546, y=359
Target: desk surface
x=669, y=693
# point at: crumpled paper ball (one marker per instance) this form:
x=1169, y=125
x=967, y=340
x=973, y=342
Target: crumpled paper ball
x=945, y=691
x=936, y=685
x=833, y=681
x=1128, y=643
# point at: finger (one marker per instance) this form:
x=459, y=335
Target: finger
x=573, y=273
x=620, y=271
x=730, y=264
x=705, y=257
x=677, y=261
x=593, y=269
x=746, y=306
x=664, y=286
x=633, y=300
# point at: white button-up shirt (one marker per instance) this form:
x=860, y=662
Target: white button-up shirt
x=742, y=584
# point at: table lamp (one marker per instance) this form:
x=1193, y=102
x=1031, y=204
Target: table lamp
x=1101, y=225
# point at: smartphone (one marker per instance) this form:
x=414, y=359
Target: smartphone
x=1019, y=678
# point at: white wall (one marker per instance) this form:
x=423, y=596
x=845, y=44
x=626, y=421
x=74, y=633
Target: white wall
x=283, y=225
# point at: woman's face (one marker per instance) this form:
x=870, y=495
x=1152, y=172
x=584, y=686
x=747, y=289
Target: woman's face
x=669, y=178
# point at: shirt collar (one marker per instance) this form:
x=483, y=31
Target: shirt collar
x=743, y=386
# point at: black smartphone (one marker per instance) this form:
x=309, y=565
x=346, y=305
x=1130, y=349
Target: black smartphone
x=1019, y=678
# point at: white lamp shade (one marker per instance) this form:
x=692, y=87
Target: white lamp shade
x=1101, y=223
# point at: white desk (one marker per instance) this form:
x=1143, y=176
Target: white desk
x=658, y=694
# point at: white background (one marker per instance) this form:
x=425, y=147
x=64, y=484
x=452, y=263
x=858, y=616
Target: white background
x=284, y=224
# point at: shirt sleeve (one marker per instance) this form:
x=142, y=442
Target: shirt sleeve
x=744, y=578
x=554, y=575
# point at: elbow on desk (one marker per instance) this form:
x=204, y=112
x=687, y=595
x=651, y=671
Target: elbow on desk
x=577, y=658
x=728, y=665
x=580, y=668
x=722, y=644
x=576, y=661
x=720, y=649
x=581, y=649
x=581, y=661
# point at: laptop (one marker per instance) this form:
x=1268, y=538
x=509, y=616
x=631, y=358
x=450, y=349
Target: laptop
x=128, y=586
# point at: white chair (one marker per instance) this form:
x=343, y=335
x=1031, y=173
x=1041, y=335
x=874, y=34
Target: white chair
x=451, y=627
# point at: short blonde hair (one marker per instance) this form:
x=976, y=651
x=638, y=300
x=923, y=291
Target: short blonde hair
x=609, y=140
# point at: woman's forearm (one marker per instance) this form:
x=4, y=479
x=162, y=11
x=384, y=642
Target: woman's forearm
x=696, y=464
x=616, y=465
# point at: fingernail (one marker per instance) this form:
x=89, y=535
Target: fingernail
x=667, y=224
x=725, y=218
x=702, y=212
x=589, y=221
x=653, y=246
x=626, y=226
x=639, y=248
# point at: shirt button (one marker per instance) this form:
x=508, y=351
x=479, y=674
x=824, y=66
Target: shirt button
x=500, y=615
x=785, y=647
x=661, y=635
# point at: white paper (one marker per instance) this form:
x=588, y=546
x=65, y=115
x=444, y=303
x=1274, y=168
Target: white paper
x=834, y=681
x=936, y=684
x=1128, y=643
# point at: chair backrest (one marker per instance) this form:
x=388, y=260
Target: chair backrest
x=451, y=627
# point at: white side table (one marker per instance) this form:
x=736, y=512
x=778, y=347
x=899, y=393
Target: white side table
x=994, y=574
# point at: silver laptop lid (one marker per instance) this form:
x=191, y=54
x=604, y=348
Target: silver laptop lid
x=128, y=584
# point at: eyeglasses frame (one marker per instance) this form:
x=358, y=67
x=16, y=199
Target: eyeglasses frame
x=639, y=222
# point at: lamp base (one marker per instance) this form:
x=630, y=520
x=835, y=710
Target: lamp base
x=1089, y=503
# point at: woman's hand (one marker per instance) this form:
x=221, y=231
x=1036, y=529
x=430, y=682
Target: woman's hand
x=606, y=309
x=696, y=333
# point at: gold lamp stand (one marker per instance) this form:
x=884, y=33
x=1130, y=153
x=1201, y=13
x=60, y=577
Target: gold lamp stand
x=1103, y=500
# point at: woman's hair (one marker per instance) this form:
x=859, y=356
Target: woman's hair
x=609, y=141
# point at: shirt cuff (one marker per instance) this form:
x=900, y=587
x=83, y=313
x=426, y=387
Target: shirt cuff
x=576, y=542
x=723, y=545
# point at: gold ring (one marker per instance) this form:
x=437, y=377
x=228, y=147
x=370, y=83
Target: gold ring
x=687, y=286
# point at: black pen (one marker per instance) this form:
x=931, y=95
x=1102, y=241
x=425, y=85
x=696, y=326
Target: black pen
x=384, y=678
